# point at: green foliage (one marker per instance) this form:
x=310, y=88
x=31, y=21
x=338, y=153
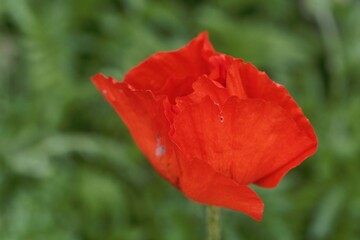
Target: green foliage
x=68, y=167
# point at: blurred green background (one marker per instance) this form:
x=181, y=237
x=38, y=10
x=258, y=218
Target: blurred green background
x=68, y=167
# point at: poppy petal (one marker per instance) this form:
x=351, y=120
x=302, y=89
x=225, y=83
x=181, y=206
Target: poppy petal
x=204, y=86
x=144, y=116
x=234, y=83
x=219, y=67
x=171, y=73
x=241, y=143
x=201, y=183
x=257, y=84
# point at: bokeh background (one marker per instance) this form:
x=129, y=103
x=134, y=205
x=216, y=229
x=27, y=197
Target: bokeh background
x=69, y=169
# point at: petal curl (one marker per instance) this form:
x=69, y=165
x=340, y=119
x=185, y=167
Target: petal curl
x=219, y=67
x=144, y=116
x=234, y=82
x=246, y=140
x=201, y=183
x=171, y=73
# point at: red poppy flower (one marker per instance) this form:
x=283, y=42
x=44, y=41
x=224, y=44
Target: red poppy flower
x=211, y=124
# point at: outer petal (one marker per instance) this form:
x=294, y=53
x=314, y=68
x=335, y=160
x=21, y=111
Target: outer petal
x=144, y=116
x=246, y=140
x=256, y=84
x=172, y=73
x=201, y=183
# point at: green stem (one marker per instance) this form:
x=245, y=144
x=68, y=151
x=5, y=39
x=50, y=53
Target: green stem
x=213, y=215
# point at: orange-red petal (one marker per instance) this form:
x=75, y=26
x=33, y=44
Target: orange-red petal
x=246, y=140
x=171, y=73
x=234, y=82
x=202, y=87
x=201, y=183
x=257, y=84
x=144, y=116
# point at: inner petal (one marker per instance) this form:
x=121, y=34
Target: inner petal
x=172, y=73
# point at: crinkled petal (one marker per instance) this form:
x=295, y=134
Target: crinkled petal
x=204, y=86
x=144, y=116
x=219, y=67
x=207, y=87
x=171, y=73
x=246, y=140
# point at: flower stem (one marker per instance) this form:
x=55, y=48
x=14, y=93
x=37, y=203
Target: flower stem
x=213, y=216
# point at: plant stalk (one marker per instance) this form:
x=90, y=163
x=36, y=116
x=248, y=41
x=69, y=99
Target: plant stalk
x=213, y=218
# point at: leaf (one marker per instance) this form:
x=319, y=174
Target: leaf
x=327, y=214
